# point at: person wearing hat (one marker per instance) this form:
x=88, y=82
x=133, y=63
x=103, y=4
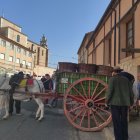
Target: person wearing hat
x=119, y=96
x=14, y=82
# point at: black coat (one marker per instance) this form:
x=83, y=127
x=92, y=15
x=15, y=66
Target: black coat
x=48, y=84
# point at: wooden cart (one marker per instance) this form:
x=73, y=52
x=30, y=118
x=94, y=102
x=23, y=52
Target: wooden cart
x=84, y=99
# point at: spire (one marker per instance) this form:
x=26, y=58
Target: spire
x=43, y=41
x=2, y=13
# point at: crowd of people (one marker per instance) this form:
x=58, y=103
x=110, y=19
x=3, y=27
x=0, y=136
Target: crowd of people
x=49, y=86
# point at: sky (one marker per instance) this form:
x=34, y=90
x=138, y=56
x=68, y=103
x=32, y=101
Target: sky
x=63, y=22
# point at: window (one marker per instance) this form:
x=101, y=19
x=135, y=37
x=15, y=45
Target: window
x=129, y=36
x=30, y=64
x=30, y=54
x=3, y=43
x=11, y=58
x=2, y=56
x=18, y=49
x=11, y=47
x=18, y=38
x=18, y=60
x=24, y=62
x=24, y=52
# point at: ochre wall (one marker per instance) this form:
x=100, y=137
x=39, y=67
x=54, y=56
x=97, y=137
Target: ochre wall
x=12, y=34
x=125, y=6
x=99, y=36
x=5, y=23
x=99, y=54
x=108, y=25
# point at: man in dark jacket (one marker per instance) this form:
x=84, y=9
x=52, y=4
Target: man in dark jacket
x=119, y=97
x=48, y=84
x=14, y=82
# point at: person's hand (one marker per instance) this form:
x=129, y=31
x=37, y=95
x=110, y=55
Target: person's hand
x=107, y=106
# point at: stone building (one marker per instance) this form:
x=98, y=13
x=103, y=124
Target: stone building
x=18, y=53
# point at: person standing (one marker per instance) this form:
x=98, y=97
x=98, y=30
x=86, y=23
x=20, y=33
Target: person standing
x=14, y=82
x=119, y=96
x=48, y=85
x=138, y=85
x=136, y=90
x=54, y=98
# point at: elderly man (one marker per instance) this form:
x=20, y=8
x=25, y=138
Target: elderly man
x=119, y=97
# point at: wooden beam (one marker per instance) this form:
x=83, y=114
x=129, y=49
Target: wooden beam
x=132, y=50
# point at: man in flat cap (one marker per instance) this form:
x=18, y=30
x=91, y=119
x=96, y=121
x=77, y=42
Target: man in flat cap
x=119, y=97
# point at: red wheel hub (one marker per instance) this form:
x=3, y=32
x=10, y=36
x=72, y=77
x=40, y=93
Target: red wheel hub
x=89, y=103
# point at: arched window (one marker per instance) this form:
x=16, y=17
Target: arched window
x=18, y=38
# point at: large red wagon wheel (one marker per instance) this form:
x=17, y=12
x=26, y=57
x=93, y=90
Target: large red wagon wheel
x=84, y=104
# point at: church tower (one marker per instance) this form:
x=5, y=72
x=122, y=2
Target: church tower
x=43, y=43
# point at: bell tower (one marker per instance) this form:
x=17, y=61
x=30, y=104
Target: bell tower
x=43, y=41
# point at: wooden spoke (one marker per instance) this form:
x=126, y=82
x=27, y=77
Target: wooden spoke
x=94, y=119
x=100, y=116
x=76, y=98
x=76, y=108
x=83, y=90
x=72, y=106
x=89, y=90
x=95, y=90
x=99, y=93
x=103, y=110
x=79, y=93
x=99, y=99
x=82, y=117
x=88, y=118
x=78, y=115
